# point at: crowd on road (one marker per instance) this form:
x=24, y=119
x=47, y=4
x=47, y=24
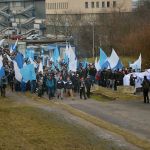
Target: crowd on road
x=59, y=82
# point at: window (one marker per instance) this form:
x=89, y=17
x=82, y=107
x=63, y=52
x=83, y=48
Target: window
x=114, y=4
x=57, y=7
x=67, y=5
x=97, y=4
x=103, y=4
x=54, y=5
x=16, y=4
x=86, y=5
x=92, y=4
x=108, y=4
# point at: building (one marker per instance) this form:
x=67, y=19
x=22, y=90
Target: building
x=87, y=6
x=65, y=13
x=21, y=13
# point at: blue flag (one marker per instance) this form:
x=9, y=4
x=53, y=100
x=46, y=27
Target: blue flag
x=19, y=60
x=28, y=73
x=29, y=53
x=103, y=57
x=56, y=55
x=119, y=65
x=2, y=72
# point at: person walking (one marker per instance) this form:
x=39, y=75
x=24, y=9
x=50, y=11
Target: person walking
x=3, y=84
x=88, y=84
x=82, y=88
x=50, y=86
x=69, y=86
x=146, y=86
x=60, y=88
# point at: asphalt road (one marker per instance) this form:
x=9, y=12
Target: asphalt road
x=131, y=115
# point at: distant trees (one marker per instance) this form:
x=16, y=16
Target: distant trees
x=128, y=33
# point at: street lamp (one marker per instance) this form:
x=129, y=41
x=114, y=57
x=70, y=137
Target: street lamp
x=93, y=39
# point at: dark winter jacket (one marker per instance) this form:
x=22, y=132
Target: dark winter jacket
x=60, y=84
x=69, y=85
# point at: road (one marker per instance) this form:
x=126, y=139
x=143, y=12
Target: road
x=133, y=116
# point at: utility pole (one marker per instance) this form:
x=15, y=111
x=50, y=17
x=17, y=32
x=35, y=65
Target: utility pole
x=93, y=39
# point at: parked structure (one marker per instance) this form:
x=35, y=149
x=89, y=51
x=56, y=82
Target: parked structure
x=21, y=14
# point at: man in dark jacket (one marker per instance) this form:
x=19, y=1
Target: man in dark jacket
x=69, y=86
x=146, y=85
x=60, y=88
x=82, y=88
x=3, y=83
x=88, y=84
x=50, y=86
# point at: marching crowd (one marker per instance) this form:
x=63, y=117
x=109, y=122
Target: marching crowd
x=57, y=82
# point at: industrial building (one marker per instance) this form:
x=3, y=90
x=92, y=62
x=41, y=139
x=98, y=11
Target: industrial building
x=21, y=14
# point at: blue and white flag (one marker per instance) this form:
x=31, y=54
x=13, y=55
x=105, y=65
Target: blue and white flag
x=72, y=60
x=19, y=60
x=18, y=75
x=66, y=58
x=40, y=68
x=29, y=53
x=28, y=73
x=103, y=58
x=137, y=64
x=1, y=42
x=2, y=71
x=56, y=55
x=13, y=47
x=113, y=62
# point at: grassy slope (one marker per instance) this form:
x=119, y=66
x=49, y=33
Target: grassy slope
x=104, y=94
x=27, y=128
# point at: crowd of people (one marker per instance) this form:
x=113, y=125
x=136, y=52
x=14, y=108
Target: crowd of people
x=57, y=82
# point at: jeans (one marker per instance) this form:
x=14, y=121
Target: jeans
x=50, y=92
x=82, y=92
x=33, y=86
x=146, y=97
x=23, y=86
x=60, y=93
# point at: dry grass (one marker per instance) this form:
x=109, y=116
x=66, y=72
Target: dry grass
x=28, y=128
x=128, y=136
x=104, y=94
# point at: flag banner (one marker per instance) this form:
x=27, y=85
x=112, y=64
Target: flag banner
x=1, y=42
x=103, y=58
x=72, y=60
x=119, y=65
x=40, y=68
x=29, y=53
x=56, y=55
x=137, y=64
x=18, y=75
x=66, y=58
x=28, y=73
x=2, y=72
x=15, y=45
x=19, y=60
x=33, y=62
x=139, y=78
x=1, y=61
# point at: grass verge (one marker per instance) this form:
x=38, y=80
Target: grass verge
x=104, y=94
x=128, y=136
x=27, y=127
